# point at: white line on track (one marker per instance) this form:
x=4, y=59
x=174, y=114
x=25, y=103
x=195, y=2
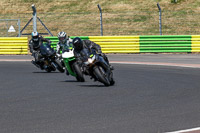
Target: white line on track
x=193, y=130
x=159, y=64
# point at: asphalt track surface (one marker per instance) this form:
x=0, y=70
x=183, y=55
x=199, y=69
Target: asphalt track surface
x=145, y=98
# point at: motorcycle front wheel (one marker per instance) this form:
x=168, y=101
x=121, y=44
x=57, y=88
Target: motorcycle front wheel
x=112, y=81
x=101, y=75
x=48, y=70
x=59, y=66
x=79, y=73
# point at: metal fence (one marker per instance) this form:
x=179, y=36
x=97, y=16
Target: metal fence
x=120, y=23
x=9, y=27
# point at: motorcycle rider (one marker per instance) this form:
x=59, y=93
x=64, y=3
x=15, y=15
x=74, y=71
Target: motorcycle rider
x=34, y=46
x=63, y=41
x=80, y=44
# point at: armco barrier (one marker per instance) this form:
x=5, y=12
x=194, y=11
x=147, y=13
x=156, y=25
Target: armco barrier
x=110, y=44
x=195, y=43
x=13, y=45
x=165, y=43
x=144, y=44
x=117, y=44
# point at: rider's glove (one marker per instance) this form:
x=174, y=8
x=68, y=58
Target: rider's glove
x=102, y=54
x=99, y=51
x=59, y=56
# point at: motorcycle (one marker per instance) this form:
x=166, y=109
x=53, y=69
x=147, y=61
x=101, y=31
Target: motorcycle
x=71, y=65
x=97, y=67
x=49, y=60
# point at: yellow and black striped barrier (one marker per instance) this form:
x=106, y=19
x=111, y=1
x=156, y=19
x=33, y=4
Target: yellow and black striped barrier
x=195, y=42
x=144, y=44
x=13, y=45
x=118, y=44
x=111, y=44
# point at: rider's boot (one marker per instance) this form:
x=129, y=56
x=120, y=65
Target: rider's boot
x=66, y=71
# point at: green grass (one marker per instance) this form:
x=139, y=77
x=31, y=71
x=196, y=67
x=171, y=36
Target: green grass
x=127, y=17
x=28, y=1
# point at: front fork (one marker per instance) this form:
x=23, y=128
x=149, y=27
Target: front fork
x=106, y=67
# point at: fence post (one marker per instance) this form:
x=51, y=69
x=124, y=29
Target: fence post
x=19, y=23
x=34, y=18
x=101, y=23
x=7, y=27
x=160, y=19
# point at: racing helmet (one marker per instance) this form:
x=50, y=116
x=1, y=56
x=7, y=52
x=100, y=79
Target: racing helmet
x=77, y=43
x=35, y=36
x=62, y=36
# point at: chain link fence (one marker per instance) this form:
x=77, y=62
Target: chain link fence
x=114, y=24
x=9, y=27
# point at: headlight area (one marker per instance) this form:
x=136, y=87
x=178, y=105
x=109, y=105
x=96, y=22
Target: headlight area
x=90, y=60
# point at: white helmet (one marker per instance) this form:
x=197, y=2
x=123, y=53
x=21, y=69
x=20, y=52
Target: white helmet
x=35, y=36
x=62, y=36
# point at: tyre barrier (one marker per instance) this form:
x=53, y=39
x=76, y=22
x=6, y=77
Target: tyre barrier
x=14, y=45
x=110, y=44
x=144, y=44
x=118, y=44
x=165, y=44
x=195, y=42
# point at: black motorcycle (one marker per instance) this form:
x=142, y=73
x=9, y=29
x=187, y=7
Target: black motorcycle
x=49, y=60
x=97, y=67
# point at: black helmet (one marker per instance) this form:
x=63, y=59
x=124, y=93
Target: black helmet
x=77, y=43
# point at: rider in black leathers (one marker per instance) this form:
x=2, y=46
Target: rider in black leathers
x=80, y=44
x=34, y=46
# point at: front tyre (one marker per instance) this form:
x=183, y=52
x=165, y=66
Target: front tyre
x=101, y=75
x=79, y=73
x=48, y=70
x=59, y=66
x=112, y=81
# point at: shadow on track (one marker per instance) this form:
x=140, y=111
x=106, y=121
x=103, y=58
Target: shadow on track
x=45, y=72
x=70, y=81
x=93, y=86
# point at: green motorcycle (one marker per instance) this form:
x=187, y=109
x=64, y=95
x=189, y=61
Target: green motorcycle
x=71, y=64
